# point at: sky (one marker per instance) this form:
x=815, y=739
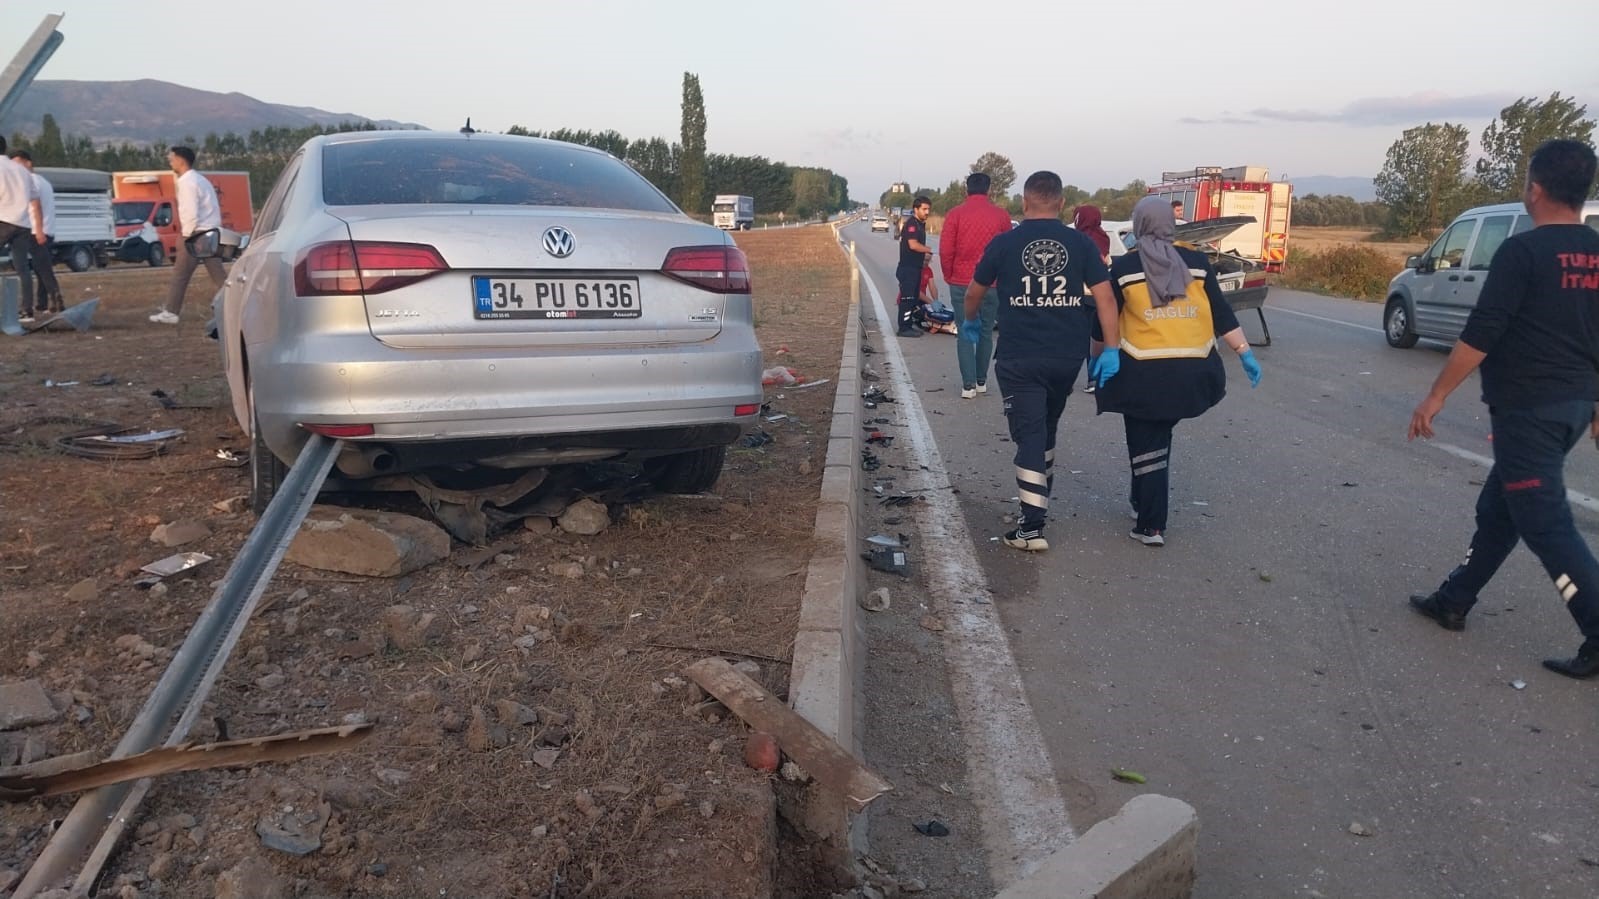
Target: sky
x=1101, y=93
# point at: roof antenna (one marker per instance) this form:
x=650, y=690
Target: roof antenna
x=467, y=128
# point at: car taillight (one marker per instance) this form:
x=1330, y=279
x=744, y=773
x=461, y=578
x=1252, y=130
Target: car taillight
x=719, y=269
x=346, y=268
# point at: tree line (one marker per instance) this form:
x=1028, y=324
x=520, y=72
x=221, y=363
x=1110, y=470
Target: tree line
x=263, y=152
x=1429, y=176
x=682, y=169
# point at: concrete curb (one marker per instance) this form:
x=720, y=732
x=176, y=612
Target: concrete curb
x=1148, y=850
x=825, y=677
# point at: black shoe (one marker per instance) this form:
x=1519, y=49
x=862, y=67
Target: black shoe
x=1583, y=665
x=909, y=332
x=1433, y=607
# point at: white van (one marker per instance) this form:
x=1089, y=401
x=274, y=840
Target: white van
x=1436, y=292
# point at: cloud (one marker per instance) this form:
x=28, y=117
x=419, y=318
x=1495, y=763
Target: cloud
x=1430, y=106
x=1223, y=119
x=849, y=139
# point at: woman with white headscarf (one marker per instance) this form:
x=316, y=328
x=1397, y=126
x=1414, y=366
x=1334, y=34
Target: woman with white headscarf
x=1172, y=314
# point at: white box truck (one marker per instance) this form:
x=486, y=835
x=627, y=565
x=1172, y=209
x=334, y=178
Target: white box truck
x=733, y=212
x=85, y=233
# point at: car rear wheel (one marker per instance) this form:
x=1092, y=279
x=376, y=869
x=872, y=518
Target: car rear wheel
x=692, y=472
x=1396, y=325
x=266, y=471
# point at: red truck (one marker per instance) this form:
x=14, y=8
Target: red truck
x=140, y=199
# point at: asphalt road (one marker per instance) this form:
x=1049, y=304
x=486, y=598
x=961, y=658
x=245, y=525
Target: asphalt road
x=1263, y=666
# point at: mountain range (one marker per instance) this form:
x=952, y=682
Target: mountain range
x=1362, y=189
x=148, y=111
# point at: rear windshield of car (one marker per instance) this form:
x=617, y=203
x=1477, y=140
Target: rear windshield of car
x=484, y=172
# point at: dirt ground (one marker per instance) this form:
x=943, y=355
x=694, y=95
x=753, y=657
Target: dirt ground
x=648, y=794
x=1310, y=240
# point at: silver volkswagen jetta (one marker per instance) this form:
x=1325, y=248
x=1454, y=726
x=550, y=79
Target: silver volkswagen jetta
x=453, y=302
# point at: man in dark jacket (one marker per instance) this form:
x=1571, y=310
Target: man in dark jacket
x=1535, y=335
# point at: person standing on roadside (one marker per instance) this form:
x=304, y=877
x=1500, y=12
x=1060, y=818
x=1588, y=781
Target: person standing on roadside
x=913, y=256
x=1172, y=314
x=967, y=230
x=1052, y=285
x=21, y=222
x=48, y=291
x=198, y=215
x=1535, y=336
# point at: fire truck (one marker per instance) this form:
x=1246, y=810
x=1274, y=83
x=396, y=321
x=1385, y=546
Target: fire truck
x=1210, y=192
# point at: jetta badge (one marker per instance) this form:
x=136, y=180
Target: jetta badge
x=558, y=242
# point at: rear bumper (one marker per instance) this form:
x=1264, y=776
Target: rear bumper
x=628, y=398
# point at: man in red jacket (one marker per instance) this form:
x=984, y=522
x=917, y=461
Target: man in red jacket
x=967, y=230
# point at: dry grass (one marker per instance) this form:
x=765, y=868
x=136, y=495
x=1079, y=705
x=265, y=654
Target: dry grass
x=713, y=575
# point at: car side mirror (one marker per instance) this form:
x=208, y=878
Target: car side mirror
x=1413, y=262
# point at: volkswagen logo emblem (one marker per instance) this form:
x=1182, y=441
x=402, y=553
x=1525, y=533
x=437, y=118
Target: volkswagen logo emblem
x=558, y=242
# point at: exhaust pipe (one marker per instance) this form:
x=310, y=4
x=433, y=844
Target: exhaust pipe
x=367, y=462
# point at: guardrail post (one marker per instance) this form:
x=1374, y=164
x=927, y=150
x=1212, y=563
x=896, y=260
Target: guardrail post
x=854, y=277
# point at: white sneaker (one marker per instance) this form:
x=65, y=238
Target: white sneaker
x=982, y=386
x=968, y=393
x=164, y=318
x=1148, y=536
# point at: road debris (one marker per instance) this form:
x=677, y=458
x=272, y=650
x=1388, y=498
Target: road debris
x=876, y=601
x=1126, y=776
x=931, y=828
x=833, y=767
x=186, y=757
x=889, y=561
x=176, y=563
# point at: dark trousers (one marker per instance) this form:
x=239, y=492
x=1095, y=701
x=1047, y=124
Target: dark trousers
x=183, y=266
x=19, y=241
x=910, y=303
x=1149, y=454
x=1524, y=498
x=43, y=263
x=1035, y=392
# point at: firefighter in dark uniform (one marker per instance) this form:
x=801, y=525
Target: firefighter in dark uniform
x=1052, y=284
x=913, y=255
x=1172, y=313
x=1535, y=334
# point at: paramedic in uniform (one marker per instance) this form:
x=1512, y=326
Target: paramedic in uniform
x=1172, y=313
x=1052, y=283
x=914, y=254
x=1535, y=334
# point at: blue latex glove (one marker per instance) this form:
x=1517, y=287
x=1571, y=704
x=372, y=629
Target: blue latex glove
x=971, y=331
x=1106, y=366
x=1251, y=368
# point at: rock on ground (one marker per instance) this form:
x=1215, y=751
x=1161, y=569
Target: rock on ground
x=366, y=542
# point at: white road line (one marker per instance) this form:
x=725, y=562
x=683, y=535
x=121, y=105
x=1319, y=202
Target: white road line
x=1012, y=778
x=1576, y=499
x=1330, y=321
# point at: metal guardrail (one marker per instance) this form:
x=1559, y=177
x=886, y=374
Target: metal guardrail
x=100, y=816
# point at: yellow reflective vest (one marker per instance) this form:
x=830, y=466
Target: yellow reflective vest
x=1182, y=329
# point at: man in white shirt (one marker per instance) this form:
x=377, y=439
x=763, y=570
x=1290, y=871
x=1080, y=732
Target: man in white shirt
x=21, y=221
x=198, y=213
x=1177, y=212
x=49, y=290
